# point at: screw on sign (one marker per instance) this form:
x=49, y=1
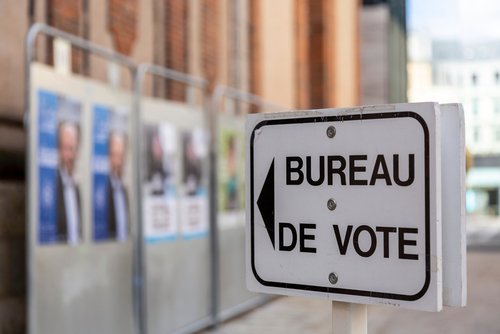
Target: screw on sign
x=333, y=278
x=379, y=172
x=332, y=205
x=330, y=131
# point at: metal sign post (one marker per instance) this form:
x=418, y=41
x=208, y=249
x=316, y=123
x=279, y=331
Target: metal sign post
x=349, y=318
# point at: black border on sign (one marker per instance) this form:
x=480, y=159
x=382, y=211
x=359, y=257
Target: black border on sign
x=345, y=118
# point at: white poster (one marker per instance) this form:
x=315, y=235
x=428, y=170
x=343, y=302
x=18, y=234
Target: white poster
x=194, y=204
x=159, y=187
x=231, y=175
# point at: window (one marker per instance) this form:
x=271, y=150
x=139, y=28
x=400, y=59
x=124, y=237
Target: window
x=474, y=79
x=477, y=136
x=176, y=45
x=496, y=105
x=497, y=77
x=475, y=106
x=449, y=81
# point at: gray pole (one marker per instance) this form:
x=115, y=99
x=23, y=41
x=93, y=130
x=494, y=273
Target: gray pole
x=397, y=52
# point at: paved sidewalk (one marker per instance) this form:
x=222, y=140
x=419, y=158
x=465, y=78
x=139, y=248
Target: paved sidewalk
x=483, y=231
x=292, y=315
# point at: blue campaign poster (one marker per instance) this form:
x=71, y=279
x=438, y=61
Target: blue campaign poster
x=47, y=166
x=111, y=214
x=58, y=151
x=100, y=172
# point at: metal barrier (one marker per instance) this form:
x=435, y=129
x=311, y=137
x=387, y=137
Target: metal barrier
x=242, y=300
x=152, y=319
x=233, y=299
x=222, y=91
x=45, y=261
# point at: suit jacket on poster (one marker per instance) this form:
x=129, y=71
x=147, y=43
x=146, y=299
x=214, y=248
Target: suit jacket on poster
x=62, y=221
x=112, y=224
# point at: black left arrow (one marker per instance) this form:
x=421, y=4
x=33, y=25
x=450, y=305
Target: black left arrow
x=265, y=202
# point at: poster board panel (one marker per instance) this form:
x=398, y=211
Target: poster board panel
x=231, y=211
x=175, y=185
x=73, y=278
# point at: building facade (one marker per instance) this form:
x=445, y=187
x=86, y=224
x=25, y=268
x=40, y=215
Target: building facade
x=294, y=53
x=451, y=71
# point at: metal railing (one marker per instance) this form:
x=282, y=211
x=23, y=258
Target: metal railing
x=30, y=44
x=211, y=106
x=188, y=80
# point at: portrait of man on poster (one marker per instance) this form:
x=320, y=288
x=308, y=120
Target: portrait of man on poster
x=117, y=198
x=69, y=226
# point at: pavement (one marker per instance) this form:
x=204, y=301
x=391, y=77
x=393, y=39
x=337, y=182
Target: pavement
x=481, y=315
x=483, y=231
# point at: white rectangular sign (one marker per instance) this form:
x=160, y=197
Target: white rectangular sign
x=345, y=204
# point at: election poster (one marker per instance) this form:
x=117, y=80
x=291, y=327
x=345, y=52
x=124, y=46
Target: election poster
x=194, y=201
x=160, y=203
x=231, y=177
x=60, y=200
x=111, y=201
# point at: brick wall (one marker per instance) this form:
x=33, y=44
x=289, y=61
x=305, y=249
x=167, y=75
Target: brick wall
x=159, y=51
x=209, y=40
x=13, y=26
x=254, y=50
x=310, y=53
x=302, y=53
x=176, y=45
x=341, y=52
x=122, y=23
x=316, y=59
x=67, y=16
